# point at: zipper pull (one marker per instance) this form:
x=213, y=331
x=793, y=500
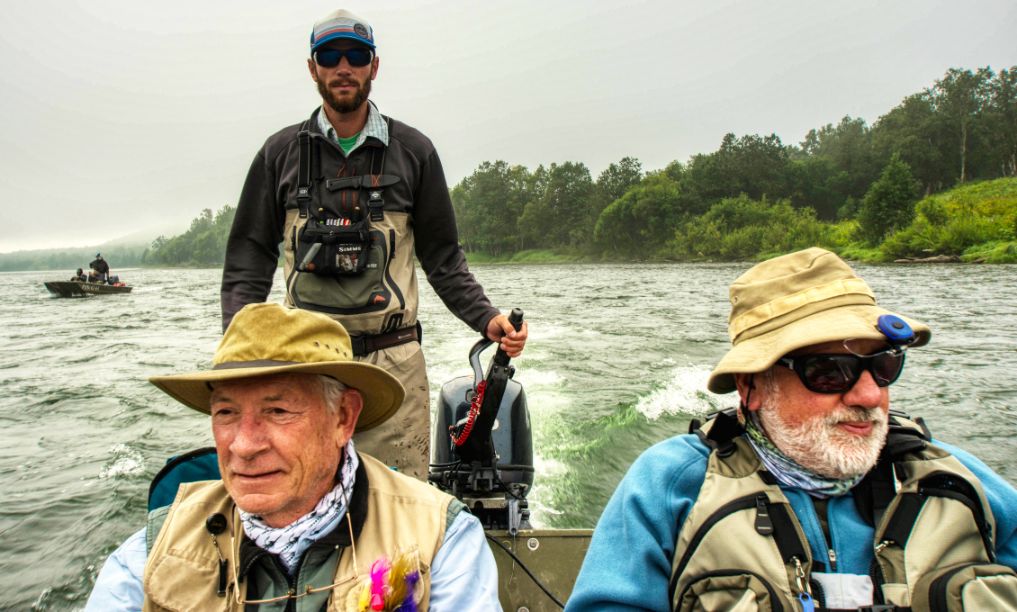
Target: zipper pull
x=808, y=604
x=801, y=582
x=804, y=593
x=833, y=560
x=764, y=526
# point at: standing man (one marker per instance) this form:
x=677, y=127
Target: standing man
x=811, y=494
x=101, y=268
x=351, y=194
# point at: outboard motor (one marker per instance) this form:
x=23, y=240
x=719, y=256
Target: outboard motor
x=483, y=442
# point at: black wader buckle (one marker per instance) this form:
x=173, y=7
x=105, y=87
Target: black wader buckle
x=359, y=345
x=375, y=205
x=303, y=195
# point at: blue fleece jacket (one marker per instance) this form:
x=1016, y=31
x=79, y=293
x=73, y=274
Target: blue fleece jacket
x=628, y=564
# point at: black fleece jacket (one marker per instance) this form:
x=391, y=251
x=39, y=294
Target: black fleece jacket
x=252, y=252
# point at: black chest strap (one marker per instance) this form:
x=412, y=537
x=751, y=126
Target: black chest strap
x=373, y=184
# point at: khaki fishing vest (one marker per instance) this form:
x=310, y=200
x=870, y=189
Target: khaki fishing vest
x=182, y=572
x=742, y=548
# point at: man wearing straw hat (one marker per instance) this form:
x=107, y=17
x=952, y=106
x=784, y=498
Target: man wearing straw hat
x=299, y=519
x=812, y=494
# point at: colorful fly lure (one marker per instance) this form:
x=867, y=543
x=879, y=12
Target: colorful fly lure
x=392, y=587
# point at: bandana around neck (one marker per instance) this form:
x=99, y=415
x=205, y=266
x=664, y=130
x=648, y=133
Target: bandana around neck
x=787, y=471
x=290, y=542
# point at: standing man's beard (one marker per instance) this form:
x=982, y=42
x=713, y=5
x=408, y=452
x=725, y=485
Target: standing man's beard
x=349, y=105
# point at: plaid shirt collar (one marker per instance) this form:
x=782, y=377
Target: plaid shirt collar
x=376, y=127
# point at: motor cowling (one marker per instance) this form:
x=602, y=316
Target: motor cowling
x=511, y=434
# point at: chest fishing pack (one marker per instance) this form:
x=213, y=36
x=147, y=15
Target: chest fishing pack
x=336, y=238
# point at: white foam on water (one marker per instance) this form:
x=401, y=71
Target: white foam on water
x=539, y=378
x=684, y=393
x=126, y=462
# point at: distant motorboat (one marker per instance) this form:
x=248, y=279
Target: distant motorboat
x=84, y=288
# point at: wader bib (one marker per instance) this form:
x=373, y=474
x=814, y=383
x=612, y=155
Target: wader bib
x=743, y=548
x=183, y=568
x=345, y=255
x=349, y=257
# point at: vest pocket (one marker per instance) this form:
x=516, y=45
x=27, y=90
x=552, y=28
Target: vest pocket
x=969, y=586
x=366, y=291
x=735, y=590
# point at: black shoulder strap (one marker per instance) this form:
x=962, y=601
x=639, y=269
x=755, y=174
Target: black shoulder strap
x=875, y=492
x=306, y=155
x=719, y=431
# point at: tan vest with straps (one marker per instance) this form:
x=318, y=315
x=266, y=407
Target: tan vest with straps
x=741, y=546
x=364, y=302
x=182, y=571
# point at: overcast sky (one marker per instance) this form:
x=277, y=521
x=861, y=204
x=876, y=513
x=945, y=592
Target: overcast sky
x=119, y=116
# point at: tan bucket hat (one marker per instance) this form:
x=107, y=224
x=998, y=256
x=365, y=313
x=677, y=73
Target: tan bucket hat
x=266, y=339
x=793, y=301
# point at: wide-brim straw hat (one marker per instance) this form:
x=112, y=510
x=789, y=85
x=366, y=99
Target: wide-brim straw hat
x=793, y=301
x=268, y=339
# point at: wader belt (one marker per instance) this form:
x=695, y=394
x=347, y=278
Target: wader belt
x=368, y=343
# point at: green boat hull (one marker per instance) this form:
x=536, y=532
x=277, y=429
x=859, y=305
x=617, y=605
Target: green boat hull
x=83, y=289
x=554, y=556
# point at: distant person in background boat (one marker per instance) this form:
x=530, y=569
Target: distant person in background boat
x=301, y=518
x=811, y=493
x=100, y=268
x=79, y=276
x=356, y=194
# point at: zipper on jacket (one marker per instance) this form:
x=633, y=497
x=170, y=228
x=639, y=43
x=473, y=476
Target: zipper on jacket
x=876, y=574
x=833, y=560
x=818, y=594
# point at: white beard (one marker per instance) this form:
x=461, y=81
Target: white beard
x=818, y=444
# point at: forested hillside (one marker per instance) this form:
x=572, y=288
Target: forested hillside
x=202, y=245
x=849, y=186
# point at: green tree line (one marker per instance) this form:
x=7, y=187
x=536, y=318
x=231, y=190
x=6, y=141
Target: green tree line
x=71, y=259
x=203, y=245
x=850, y=186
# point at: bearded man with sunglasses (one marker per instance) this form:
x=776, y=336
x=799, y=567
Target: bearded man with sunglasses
x=352, y=195
x=812, y=494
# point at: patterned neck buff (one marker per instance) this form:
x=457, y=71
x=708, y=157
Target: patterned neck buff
x=787, y=471
x=290, y=542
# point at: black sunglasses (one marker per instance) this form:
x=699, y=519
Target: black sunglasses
x=837, y=373
x=330, y=58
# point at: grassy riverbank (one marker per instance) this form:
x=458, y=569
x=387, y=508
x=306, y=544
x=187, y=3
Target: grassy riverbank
x=974, y=223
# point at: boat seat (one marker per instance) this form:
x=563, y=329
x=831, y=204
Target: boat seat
x=193, y=466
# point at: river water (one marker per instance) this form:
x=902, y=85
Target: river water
x=617, y=360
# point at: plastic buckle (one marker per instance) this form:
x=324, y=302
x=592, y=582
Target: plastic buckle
x=359, y=345
x=375, y=204
x=303, y=196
